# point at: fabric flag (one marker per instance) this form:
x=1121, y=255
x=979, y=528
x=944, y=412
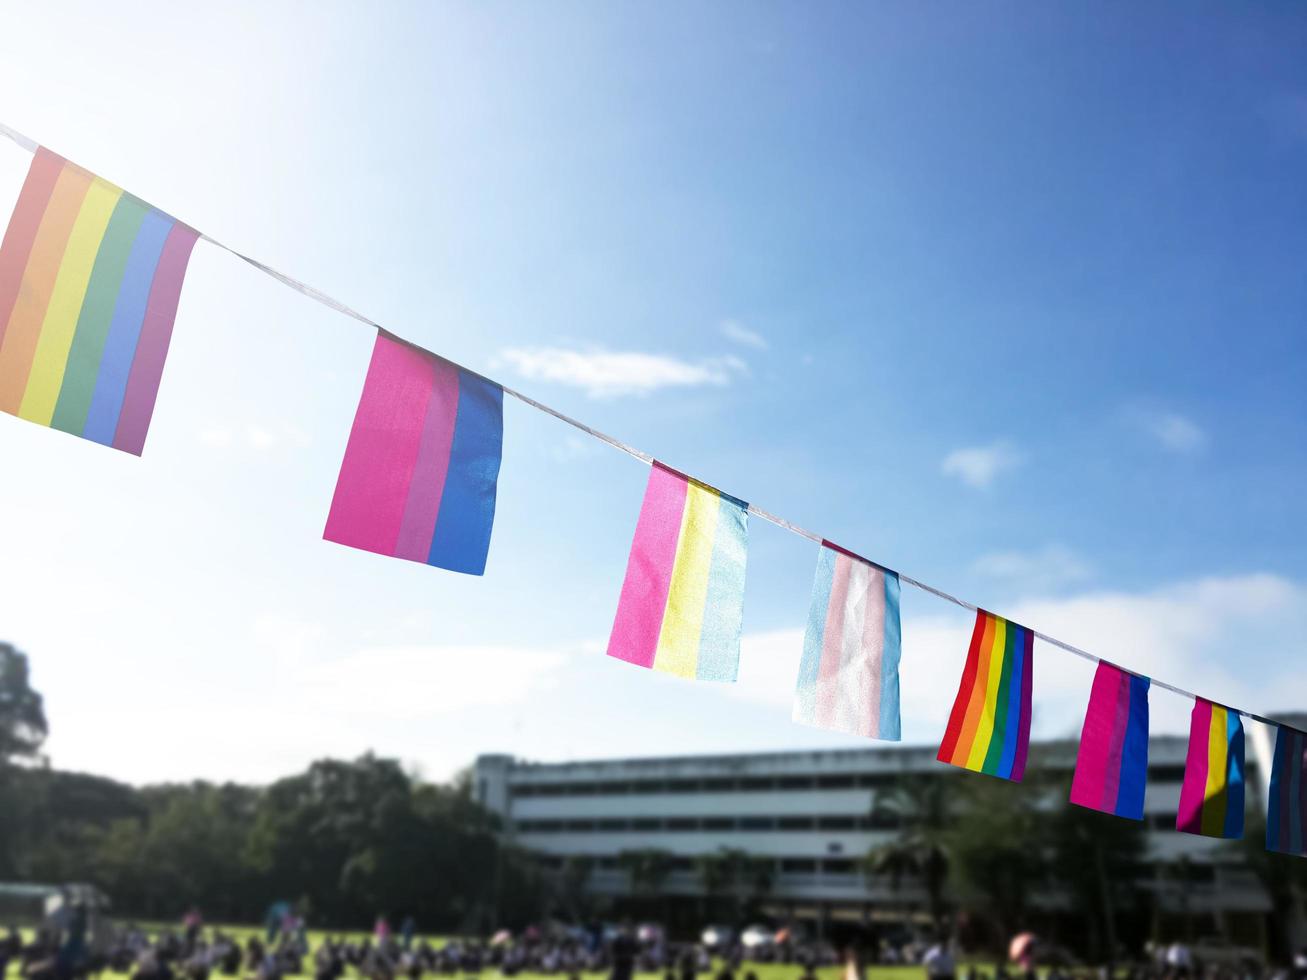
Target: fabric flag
x=1286, y=808
x=849, y=675
x=422, y=463
x=90, y=278
x=989, y=729
x=1112, y=765
x=682, y=603
x=1211, y=797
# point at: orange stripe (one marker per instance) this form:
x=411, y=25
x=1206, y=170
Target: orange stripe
x=47, y=254
x=977, y=702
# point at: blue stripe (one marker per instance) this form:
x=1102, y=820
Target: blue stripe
x=1234, y=803
x=125, y=329
x=1275, y=800
x=1134, y=753
x=723, y=612
x=891, y=652
x=1012, y=723
x=1295, y=763
x=467, y=507
x=805, y=691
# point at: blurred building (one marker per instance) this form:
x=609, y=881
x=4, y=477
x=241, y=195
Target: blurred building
x=813, y=815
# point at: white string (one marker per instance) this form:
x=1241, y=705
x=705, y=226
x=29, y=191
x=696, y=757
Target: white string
x=29, y=144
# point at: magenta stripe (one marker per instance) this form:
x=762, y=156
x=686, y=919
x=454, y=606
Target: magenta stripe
x=649, y=569
x=1096, y=738
x=828, y=673
x=372, y=489
x=1120, y=719
x=152, y=345
x=428, y=483
x=1194, y=788
x=872, y=655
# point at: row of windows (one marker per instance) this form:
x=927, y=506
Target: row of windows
x=874, y=780
x=832, y=866
x=877, y=821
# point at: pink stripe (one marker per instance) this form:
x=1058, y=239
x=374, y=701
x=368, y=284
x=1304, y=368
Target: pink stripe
x=152, y=345
x=372, y=489
x=649, y=569
x=1194, y=788
x=872, y=655
x=1095, y=739
x=828, y=673
x=1120, y=713
x=428, y=483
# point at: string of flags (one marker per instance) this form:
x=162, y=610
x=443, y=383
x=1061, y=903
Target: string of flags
x=90, y=281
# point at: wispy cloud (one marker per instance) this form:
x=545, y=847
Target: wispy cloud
x=252, y=435
x=1172, y=431
x=1050, y=567
x=978, y=466
x=736, y=331
x=611, y=374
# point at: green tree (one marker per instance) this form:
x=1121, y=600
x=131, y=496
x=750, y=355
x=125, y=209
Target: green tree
x=924, y=808
x=23, y=726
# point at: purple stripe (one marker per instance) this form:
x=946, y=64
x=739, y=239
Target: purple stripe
x=1120, y=720
x=1027, y=688
x=428, y=483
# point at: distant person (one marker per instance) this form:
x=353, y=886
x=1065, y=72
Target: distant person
x=1179, y=960
x=406, y=931
x=625, y=950
x=939, y=962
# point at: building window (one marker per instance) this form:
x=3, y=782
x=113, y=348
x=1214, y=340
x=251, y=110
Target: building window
x=718, y=823
x=644, y=823
x=683, y=786
x=718, y=785
x=795, y=782
x=795, y=823
x=802, y=866
x=837, y=823
x=835, y=782
x=757, y=823
x=614, y=825
x=682, y=823
x=754, y=785
x=838, y=866
x=580, y=825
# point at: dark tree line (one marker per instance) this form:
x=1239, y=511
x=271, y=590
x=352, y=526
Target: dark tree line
x=344, y=840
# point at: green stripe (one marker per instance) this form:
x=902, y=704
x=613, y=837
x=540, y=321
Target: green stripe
x=995, y=753
x=97, y=313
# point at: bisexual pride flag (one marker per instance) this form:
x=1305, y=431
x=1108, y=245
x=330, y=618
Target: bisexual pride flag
x=422, y=463
x=1112, y=764
x=90, y=278
x=682, y=602
x=1211, y=797
x=989, y=728
x=1286, y=808
x=849, y=674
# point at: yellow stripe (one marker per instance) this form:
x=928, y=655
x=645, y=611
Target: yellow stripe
x=1218, y=758
x=678, y=641
x=60, y=323
x=985, y=728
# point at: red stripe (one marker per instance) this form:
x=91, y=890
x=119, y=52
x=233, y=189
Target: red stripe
x=954, y=730
x=21, y=233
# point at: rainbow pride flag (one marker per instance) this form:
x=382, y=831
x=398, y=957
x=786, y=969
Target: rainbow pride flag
x=849, y=674
x=1211, y=797
x=422, y=463
x=1286, y=807
x=90, y=278
x=1112, y=764
x=682, y=602
x=989, y=729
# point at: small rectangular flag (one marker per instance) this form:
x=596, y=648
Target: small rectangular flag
x=1211, y=797
x=1112, y=764
x=989, y=729
x=1286, y=807
x=849, y=674
x=90, y=279
x=682, y=603
x=422, y=463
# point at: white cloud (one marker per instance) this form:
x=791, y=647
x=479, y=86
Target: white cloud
x=978, y=466
x=608, y=374
x=1173, y=431
x=253, y=435
x=1051, y=567
x=742, y=335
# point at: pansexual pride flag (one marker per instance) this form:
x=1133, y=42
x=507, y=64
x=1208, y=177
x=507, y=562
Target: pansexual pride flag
x=90, y=278
x=1286, y=807
x=989, y=729
x=1211, y=797
x=849, y=675
x=1112, y=765
x=422, y=463
x=682, y=603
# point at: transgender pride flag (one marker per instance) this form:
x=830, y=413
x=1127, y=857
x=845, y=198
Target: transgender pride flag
x=849, y=675
x=422, y=464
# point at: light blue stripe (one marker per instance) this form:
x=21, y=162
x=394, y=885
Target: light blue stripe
x=723, y=613
x=891, y=651
x=1234, y=803
x=805, y=691
x=125, y=329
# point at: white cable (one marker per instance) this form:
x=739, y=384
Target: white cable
x=31, y=146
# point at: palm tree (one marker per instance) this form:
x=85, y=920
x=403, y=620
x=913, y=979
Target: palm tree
x=923, y=847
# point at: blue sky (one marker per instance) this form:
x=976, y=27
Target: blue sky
x=1010, y=298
